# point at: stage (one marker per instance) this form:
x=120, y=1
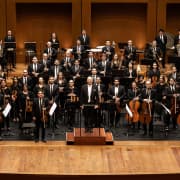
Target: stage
x=55, y=159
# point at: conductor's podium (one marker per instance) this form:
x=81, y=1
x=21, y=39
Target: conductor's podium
x=97, y=137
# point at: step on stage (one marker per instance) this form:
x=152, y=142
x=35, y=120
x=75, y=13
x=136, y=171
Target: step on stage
x=98, y=136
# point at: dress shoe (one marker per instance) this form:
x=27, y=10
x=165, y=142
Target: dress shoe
x=44, y=141
x=151, y=133
x=145, y=133
x=36, y=140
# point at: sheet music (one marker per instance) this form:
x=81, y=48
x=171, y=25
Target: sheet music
x=6, y=110
x=129, y=111
x=52, y=109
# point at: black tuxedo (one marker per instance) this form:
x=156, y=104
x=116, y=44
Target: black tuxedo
x=131, y=94
x=45, y=69
x=53, y=55
x=85, y=41
x=22, y=82
x=75, y=70
x=54, y=70
x=110, y=49
x=87, y=65
x=130, y=53
x=66, y=64
x=150, y=53
x=176, y=39
x=75, y=50
x=121, y=92
x=37, y=112
x=51, y=95
x=105, y=67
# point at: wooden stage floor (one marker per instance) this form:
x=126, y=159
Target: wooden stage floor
x=122, y=158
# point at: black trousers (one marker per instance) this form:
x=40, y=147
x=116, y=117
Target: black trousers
x=40, y=125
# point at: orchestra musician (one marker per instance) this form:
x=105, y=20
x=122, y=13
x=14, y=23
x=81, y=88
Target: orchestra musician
x=55, y=69
x=177, y=38
x=54, y=41
x=173, y=73
x=51, y=52
x=108, y=50
x=90, y=62
x=40, y=107
x=116, y=93
x=118, y=62
x=133, y=95
x=161, y=40
x=2, y=55
x=147, y=97
x=172, y=101
x=78, y=50
x=85, y=39
x=40, y=86
x=130, y=52
x=89, y=101
x=10, y=47
x=25, y=80
x=46, y=64
x=34, y=70
x=131, y=72
x=67, y=62
x=72, y=96
x=76, y=69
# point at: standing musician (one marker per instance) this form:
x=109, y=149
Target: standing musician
x=54, y=41
x=130, y=52
x=154, y=74
x=154, y=53
x=2, y=55
x=134, y=104
x=25, y=105
x=147, y=108
x=72, y=99
x=25, y=79
x=46, y=64
x=116, y=93
x=108, y=50
x=5, y=91
x=85, y=39
x=51, y=52
x=78, y=50
x=161, y=39
x=10, y=47
x=172, y=101
x=51, y=92
x=89, y=101
x=40, y=107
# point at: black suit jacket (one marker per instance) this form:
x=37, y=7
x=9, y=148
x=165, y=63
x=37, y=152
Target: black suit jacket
x=109, y=49
x=29, y=83
x=54, y=53
x=85, y=42
x=132, y=54
x=74, y=51
x=84, y=95
x=176, y=39
x=54, y=93
x=162, y=45
x=121, y=92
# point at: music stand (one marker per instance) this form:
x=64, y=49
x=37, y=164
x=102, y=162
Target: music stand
x=122, y=45
x=30, y=50
x=10, y=48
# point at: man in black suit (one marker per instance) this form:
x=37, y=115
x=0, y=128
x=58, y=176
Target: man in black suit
x=161, y=39
x=108, y=50
x=117, y=94
x=46, y=64
x=89, y=103
x=40, y=105
x=177, y=38
x=78, y=50
x=25, y=80
x=51, y=52
x=34, y=70
x=90, y=62
x=148, y=96
x=130, y=52
x=10, y=46
x=85, y=39
x=76, y=69
x=54, y=70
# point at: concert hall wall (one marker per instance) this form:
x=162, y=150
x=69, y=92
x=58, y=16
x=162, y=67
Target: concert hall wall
x=118, y=20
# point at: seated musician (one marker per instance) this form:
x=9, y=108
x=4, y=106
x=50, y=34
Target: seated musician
x=118, y=62
x=117, y=94
x=89, y=103
x=133, y=96
x=40, y=107
x=130, y=72
x=130, y=52
x=108, y=50
x=172, y=99
x=173, y=74
x=147, y=109
x=72, y=99
x=78, y=50
x=55, y=69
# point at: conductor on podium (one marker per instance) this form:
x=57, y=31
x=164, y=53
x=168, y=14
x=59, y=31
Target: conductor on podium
x=89, y=103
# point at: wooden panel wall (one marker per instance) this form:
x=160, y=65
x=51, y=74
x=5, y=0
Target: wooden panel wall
x=117, y=20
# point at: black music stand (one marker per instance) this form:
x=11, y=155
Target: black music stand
x=30, y=50
x=122, y=45
x=10, y=48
